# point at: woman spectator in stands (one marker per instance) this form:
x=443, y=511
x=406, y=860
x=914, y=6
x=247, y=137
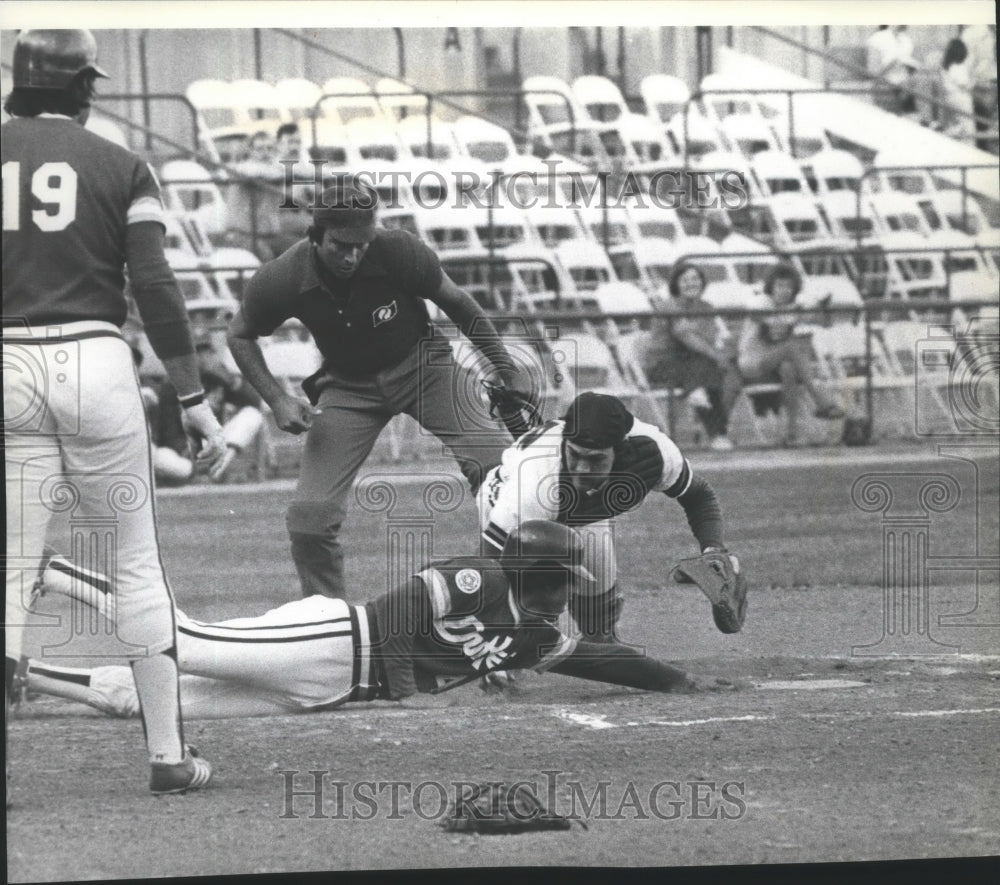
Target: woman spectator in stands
x=696, y=354
x=956, y=83
x=770, y=350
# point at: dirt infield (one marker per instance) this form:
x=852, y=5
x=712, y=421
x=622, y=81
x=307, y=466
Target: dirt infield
x=829, y=749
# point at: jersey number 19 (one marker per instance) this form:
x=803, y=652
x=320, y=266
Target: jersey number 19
x=54, y=185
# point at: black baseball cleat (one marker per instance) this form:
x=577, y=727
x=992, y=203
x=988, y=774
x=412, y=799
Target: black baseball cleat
x=191, y=773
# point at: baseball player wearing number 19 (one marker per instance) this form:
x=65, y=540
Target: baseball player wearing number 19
x=76, y=210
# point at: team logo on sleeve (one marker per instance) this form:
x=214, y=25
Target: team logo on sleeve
x=468, y=580
x=384, y=313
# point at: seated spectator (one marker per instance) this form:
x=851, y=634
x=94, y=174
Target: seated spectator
x=956, y=83
x=235, y=404
x=695, y=353
x=769, y=350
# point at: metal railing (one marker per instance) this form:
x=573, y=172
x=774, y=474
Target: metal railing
x=441, y=97
x=862, y=73
x=976, y=350
x=255, y=189
x=876, y=170
x=872, y=316
x=146, y=99
x=699, y=95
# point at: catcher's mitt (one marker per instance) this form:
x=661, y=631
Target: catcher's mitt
x=517, y=411
x=499, y=809
x=717, y=573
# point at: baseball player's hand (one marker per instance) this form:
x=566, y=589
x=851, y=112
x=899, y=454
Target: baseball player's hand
x=217, y=472
x=205, y=433
x=293, y=414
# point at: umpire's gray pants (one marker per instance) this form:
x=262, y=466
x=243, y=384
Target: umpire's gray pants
x=427, y=385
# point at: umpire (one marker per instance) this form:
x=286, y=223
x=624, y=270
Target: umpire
x=361, y=290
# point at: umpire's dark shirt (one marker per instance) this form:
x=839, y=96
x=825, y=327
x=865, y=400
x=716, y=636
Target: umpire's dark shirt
x=362, y=324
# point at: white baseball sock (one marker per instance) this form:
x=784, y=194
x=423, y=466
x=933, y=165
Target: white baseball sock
x=156, y=679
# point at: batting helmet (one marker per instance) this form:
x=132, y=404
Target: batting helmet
x=538, y=541
x=51, y=59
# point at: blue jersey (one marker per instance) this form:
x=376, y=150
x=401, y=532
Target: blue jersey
x=68, y=196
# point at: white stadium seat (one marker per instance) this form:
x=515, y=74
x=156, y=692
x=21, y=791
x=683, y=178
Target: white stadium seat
x=298, y=96
x=664, y=96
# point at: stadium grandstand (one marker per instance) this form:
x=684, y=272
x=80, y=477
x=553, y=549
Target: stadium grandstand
x=562, y=174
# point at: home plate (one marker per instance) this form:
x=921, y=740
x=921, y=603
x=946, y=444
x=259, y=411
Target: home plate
x=809, y=684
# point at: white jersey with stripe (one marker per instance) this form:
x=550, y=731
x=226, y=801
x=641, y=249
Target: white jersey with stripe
x=529, y=483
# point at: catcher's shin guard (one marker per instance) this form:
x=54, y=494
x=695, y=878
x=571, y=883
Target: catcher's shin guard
x=597, y=616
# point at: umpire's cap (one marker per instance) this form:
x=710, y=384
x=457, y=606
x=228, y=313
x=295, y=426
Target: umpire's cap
x=347, y=209
x=538, y=541
x=597, y=421
x=51, y=59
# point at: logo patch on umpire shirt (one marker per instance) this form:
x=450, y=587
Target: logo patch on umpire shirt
x=383, y=314
x=468, y=580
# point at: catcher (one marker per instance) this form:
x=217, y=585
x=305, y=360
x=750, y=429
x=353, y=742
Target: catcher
x=583, y=470
x=455, y=621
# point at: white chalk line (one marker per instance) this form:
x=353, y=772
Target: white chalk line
x=600, y=721
x=808, y=684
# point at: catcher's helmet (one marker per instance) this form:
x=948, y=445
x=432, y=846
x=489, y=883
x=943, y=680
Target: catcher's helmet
x=51, y=59
x=538, y=541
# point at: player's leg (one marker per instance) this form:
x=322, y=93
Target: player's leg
x=108, y=463
x=32, y=489
x=170, y=467
x=242, y=429
x=445, y=399
x=108, y=689
x=306, y=653
x=299, y=655
x=596, y=608
x=337, y=444
x=203, y=698
x=32, y=464
x=111, y=690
